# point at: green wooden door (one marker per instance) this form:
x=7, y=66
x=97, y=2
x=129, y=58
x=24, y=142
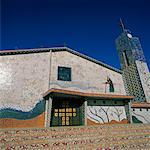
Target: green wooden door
x=67, y=112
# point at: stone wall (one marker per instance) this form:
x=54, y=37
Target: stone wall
x=25, y=77
x=86, y=75
x=23, y=80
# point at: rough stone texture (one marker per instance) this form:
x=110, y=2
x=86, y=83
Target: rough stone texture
x=23, y=80
x=86, y=75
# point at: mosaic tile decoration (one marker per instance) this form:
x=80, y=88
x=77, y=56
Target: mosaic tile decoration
x=108, y=137
x=18, y=114
x=11, y=118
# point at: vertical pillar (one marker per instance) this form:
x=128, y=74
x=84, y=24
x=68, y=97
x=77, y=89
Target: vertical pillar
x=48, y=112
x=128, y=111
x=85, y=112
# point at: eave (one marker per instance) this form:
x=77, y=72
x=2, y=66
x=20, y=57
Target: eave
x=53, y=91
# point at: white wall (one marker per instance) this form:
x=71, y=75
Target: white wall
x=23, y=80
x=106, y=114
x=142, y=114
x=145, y=78
x=87, y=76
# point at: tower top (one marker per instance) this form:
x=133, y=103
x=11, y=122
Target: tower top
x=122, y=25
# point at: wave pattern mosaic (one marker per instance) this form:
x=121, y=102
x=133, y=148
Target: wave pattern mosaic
x=16, y=118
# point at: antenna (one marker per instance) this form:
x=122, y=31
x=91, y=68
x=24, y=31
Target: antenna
x=122, y=25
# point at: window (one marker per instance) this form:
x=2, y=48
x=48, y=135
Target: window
x=64, y=73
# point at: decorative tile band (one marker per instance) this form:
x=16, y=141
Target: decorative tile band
x=18, y=114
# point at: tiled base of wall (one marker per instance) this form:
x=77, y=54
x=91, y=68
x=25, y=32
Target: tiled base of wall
x=15, y=123
x=108, y=137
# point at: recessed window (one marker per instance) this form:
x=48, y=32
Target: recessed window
x=64, y=73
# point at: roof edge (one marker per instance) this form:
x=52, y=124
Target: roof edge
x=38, y=50
x=82, y=94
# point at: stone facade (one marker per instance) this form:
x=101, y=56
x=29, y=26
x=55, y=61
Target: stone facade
x=87, y=76
x=23, y=80
x=26, y=75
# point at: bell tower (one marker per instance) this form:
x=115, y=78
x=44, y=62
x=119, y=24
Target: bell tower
x=134, y=68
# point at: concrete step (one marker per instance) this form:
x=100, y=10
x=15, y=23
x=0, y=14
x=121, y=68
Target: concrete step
x=130, y=136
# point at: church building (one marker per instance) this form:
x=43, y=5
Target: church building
x=46, y=87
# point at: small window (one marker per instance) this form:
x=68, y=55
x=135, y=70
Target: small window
x=64, y=73
x=147, y=109
x=140, y=109
x=133, y=109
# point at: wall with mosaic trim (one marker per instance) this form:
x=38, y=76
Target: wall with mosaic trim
x=23, y=80
x=25, y=77
x=106, y=112
x=85, y=75
x=140, y=115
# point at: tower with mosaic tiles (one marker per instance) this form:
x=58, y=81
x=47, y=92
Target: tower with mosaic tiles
x=135, y=71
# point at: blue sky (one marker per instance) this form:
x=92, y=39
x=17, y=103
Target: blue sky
x=88, y=26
